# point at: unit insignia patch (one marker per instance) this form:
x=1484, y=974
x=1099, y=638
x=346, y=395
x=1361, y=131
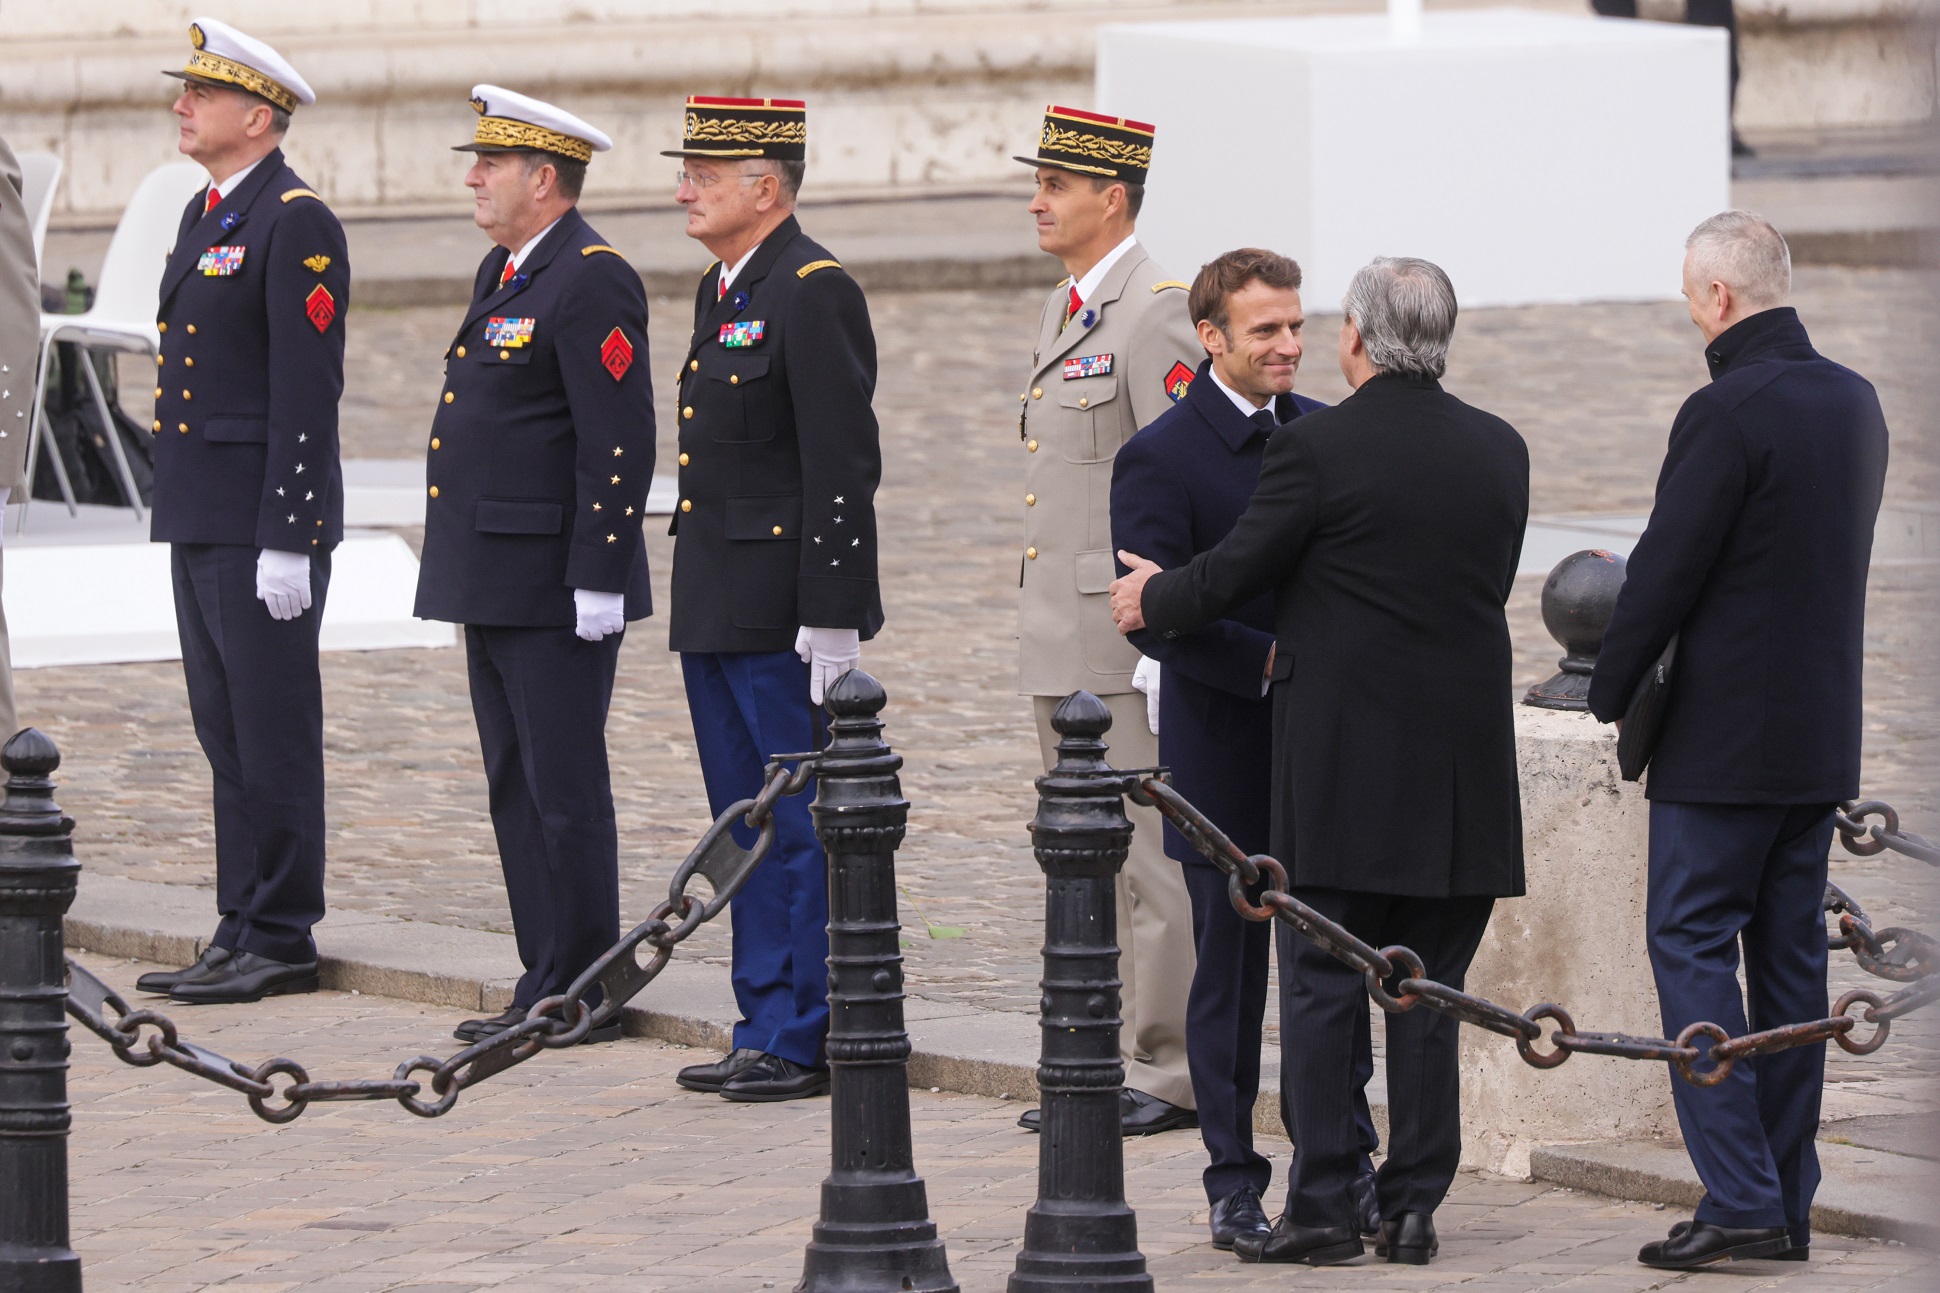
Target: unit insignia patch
x=320, y=306
x=616, y=353
x=1178, y=379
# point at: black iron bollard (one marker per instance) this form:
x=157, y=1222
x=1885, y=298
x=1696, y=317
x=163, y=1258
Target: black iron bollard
x=37, y=877
x=1080, y=1234
x=1578, y=598
x=875, y=1234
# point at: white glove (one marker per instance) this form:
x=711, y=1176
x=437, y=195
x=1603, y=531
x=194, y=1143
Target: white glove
x=283, y=582
x=598, y=614
x=829, y=653
x=1145, y=678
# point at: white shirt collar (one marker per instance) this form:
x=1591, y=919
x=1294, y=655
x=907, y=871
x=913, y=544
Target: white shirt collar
x=518, y=257
x=1240, y=402
x=728, y=272
x=1096, y=274
x=229, y=185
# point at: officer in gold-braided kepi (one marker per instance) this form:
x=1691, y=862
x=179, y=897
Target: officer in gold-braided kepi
x=249, y=496
x=537, y=464
x=774, y=579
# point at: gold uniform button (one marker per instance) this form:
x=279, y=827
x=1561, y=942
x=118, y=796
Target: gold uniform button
x=1037, y=392
x=1023, y=398
x=449, y=397
x=777, y=531
x=434, y=442
x=434, y=491
x=185, y=395
x=1031, y=445
x=1030, y=500
x=504, y=354
x=183, y=427
x=683, y=460
x=159, y=361
x=693, y=365
x=158, y=392
x=158, y=425
x=1084, y=401
x=686, y=504
x=460, y=352
x=161, y=327
x=191, y=329
x=188, y=363
x=687, y=412
x=734, y=379
x=1031, y=553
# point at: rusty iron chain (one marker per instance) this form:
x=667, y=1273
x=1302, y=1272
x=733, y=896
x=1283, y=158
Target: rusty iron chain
x=1397, y=980
x=553, y=1023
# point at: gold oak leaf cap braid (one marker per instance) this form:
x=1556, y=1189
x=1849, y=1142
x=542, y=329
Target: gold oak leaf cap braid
x=712, y=126
x=1091, y=143
x=222, y=55
x=512, y=122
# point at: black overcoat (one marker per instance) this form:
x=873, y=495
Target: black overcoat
x=251, y=367
x=779, y=457
x=1177, y=488
x=1756, y=555
x=542, y=447
x=1387, y=529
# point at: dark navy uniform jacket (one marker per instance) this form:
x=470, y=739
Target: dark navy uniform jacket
x=1177, y=488
x=542, y=448
x=779, y=457
x=251, y=368
x=1756, y=556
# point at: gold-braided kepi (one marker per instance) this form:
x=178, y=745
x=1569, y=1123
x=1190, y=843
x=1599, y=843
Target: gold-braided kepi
x=226, y=57
x=716, y=127
x=512, y=122
x=1093, y=144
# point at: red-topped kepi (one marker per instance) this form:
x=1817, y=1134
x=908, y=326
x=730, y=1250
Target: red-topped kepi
x=1092, y=143
x=719, y=127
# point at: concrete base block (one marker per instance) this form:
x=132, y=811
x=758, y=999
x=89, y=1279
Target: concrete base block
x=1576, y=940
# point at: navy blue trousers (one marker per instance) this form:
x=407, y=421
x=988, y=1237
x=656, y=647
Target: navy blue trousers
x=540, y=697
x=747, y=707
x=1724, y=876
x=256, y=697
x=1324, y=1035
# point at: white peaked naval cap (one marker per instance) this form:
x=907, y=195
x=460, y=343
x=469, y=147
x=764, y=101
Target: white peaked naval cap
x=225, y=56
x=509, y=121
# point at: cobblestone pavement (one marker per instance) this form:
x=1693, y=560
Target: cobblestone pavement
x=590, y=1170
x=1593, y=389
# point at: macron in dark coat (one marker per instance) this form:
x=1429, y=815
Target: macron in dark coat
x=1387, y=529
x=1756, y=556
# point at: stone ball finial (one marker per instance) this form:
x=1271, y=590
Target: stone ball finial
x=1578, y=599
x=855, y=695
x=30, y=752
x=1081, y=714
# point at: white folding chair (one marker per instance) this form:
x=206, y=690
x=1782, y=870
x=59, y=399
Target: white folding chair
x=123, y=315
x=40, y=173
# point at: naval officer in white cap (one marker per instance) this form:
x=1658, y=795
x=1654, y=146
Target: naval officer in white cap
x=538, y=462
x=249, y=496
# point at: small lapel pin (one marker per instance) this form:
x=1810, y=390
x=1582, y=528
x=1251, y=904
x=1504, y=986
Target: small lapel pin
x=740, y=301
x=1088, y=318
x=229, y=220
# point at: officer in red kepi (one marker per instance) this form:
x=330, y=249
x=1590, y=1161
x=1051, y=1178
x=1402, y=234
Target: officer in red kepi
x=537, y=469
x=774, y=579
x=249, y=498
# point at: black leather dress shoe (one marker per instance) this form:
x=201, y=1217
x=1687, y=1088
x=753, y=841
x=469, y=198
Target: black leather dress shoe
x=772, y=1078
x=1367, y=1204
x=1140, y=1114
x=1699, y=1243
x=246, y=977
x=1312, y=1245
x=473, y=1029
x=1238, y=1213
x=1796, y=1253
x=1408, y=1239
x=162, y=982
x=712, y=1077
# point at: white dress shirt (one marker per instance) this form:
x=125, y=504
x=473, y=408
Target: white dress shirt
x=1245, y=406
x=1096, y=274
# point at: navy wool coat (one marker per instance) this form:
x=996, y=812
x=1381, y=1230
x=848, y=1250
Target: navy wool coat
x=1756, y=556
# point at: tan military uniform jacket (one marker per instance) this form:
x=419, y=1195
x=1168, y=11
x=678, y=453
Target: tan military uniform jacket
x=19, y=325
x=1091, y=389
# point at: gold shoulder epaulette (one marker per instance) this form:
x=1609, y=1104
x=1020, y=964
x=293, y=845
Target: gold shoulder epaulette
x=302, y=193
x=1172, y=282
x=814, y=265
x=600, y=246
x=710, y=268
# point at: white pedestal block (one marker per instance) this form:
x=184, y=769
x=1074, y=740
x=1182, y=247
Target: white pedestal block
x=1535, y=157
x=1577, y=939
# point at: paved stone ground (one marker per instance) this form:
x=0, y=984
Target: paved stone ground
x=590, y=1170
x=1593, y=389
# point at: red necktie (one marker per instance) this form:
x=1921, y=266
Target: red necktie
x=1077, y=303
x=210, y=204
x=510, y=269
x=720, y=287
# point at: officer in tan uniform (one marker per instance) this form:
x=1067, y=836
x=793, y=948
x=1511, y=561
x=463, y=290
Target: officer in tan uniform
x=19, y=355
x=1115, y=349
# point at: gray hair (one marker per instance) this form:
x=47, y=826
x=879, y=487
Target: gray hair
x=1405, y=310
x=1745, y=253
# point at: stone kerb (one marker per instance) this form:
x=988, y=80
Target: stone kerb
x=1577, y=939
